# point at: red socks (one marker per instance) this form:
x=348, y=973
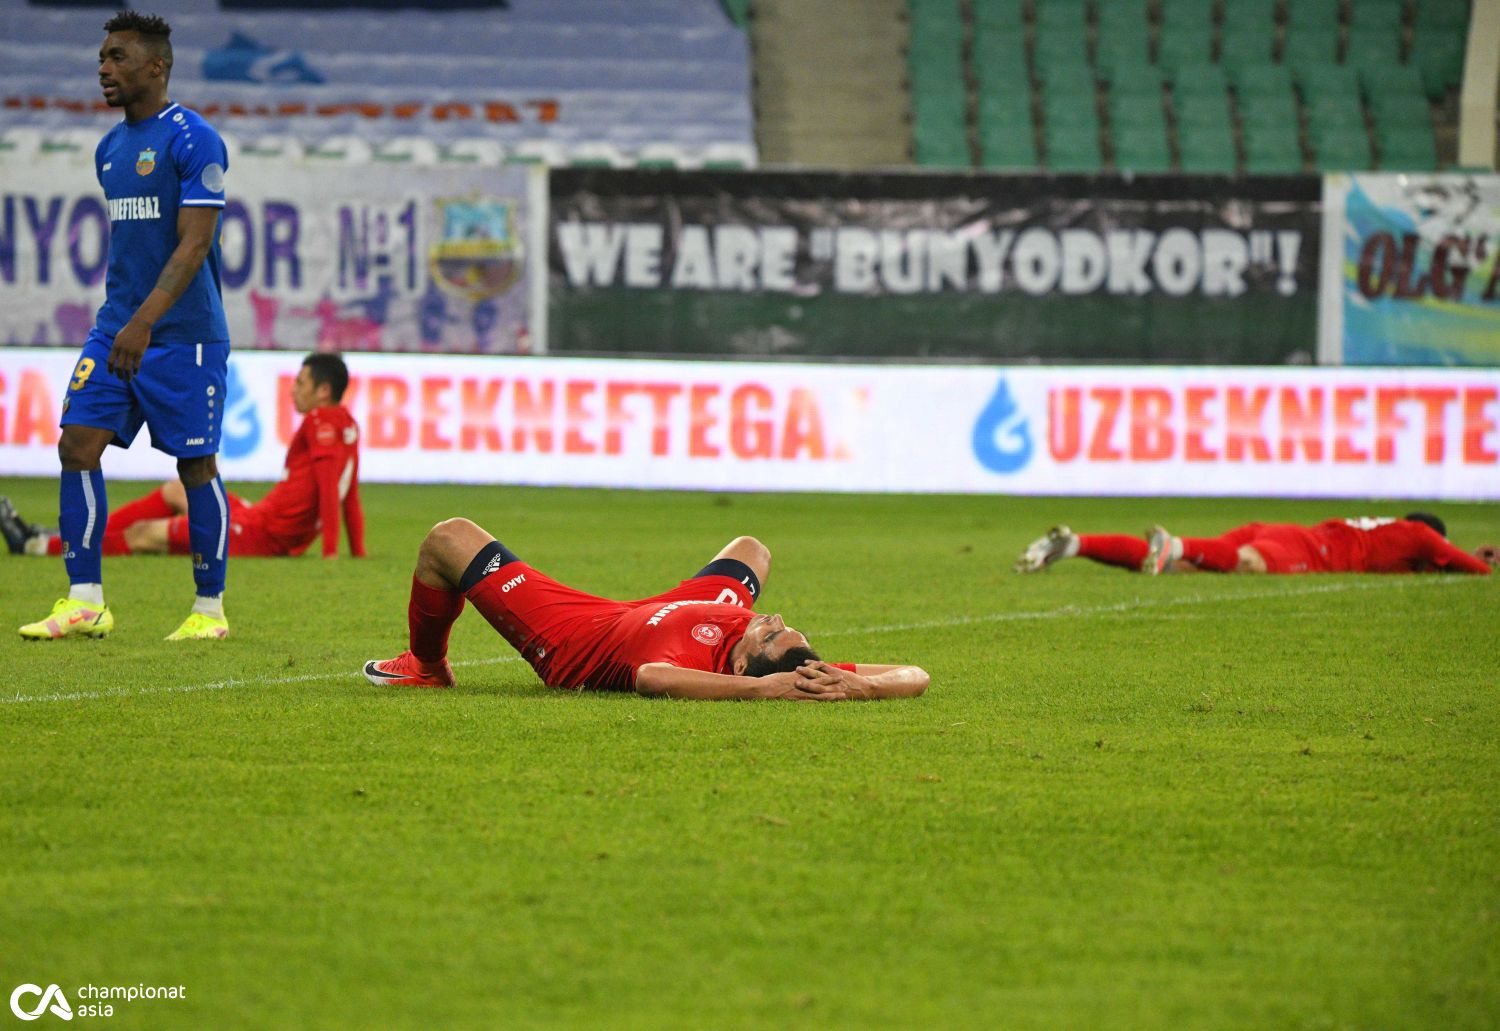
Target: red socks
x=1214, y=554
x=429, y=617
x=1113, y=549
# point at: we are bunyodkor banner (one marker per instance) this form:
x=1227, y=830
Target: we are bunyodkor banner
x=809, y=427
x=1417, y=280
x=315, y=254
x=1070, y=268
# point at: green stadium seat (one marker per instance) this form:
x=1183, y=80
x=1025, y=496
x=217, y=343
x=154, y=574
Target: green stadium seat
x=1407, y=150
x=1256, y=80
x=1376, y=48
x=999, y=13
x=1139, y=80
x=1249, y=12
x=1311, y=46
x=1242, y=45
x=1404, y=78
x=1438, y=52
x=1180, y=45
x=1200, y=111
x=1198, y=13
x=1129, y=113
x=1452, y=14
x=1060, y=12
x=1272, y=148
x=1342, y=150
x=1121, y=14
x=1377, y=15
x=1143, y=152
x=1199, y=78
x=1067, y=42
x=1122, y=48
x=1070, y=112
x=1207, y=149
x=1007, y=107
x=1013, y=150
x=1315, y=80
x=1335, y=112
x=1074, y=78
x=1401, y=109
x=1074, y=151
x=1313, y=15
x=995, y=45
x=1269, y=111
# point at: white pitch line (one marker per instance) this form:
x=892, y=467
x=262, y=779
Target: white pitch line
x=1144, y=603
x=1066, y=611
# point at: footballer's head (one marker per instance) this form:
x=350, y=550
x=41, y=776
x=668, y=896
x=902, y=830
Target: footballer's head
x=135, y=58
x=321, y=381
x=1428, y=519
x=769, y=646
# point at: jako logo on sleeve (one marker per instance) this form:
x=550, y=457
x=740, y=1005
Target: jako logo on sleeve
x=1002, y=438
x=52, y=997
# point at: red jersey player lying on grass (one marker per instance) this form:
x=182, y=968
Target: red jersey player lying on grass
x=320, y=482
x=699, y=640
x=1416, y=543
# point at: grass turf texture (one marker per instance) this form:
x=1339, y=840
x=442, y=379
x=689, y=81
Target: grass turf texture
x=1197, y=801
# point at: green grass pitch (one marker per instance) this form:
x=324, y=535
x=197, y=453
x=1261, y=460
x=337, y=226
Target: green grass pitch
x=1126, y=802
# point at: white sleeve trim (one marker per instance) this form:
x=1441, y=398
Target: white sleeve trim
x=200, y=203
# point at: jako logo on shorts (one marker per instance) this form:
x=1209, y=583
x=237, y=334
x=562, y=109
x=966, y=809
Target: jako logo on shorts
x=52, y=997
x=1002, y=437
x=241, y=427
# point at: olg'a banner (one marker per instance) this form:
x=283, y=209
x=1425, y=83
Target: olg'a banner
x=1417, y=280
x=1056, y=268
x=779, y=426
x=315, y=254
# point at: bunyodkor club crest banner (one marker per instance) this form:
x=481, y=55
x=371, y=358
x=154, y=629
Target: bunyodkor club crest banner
x=1175, y=269
x=1417, y=278
x=802, y=426
x=314, y=254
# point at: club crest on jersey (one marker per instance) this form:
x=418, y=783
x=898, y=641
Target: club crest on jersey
x=145, y=162
x=708, y=633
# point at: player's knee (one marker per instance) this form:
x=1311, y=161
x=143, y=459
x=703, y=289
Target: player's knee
x=751, y=551
x=450, y=536
x=77, y=452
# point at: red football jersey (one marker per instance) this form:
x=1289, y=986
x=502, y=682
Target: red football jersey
x=320, y=481
x=1389, y=546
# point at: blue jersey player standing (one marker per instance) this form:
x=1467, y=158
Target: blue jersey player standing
x=159, y=351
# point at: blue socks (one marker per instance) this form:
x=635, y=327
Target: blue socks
x=83, y=511
x=208, y=533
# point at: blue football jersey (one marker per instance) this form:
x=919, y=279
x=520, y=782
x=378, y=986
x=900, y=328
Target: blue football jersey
x=149, y=169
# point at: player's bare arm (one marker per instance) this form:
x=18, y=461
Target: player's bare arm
x=668, y=681
x=867, y=681
x=195, y=235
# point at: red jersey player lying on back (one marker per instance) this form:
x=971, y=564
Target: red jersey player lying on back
x=1416, y=543
x=320, y=483
x=699, y=640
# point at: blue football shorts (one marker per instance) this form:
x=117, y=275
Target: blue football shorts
x=179, y=394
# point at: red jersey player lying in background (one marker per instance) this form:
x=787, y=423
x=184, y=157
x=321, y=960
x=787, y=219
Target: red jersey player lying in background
x=1416, y=543
x=320, y=483
x=699, y=640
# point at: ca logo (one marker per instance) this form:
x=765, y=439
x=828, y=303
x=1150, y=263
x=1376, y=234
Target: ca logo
x=53, y=996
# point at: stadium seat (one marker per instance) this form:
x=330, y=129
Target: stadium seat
x=1404, y=110
x=1407, y=150
x=1009, y=151
x=347, y=148
x=1060, y=12
x=1315, y=80
x=1199, y=79
x=1242, y=44
x=1317, y=16
x=1184, y=44
x=1142, y=148
x=1334, y=112
x=1074, y=150
x=418, y=150
x=1136, y=80
x=1272, y=148
x=1258, y=80
x=1373, y=47
x=1311, y=45
x=1207, y=149
x=1381, y=15
x=1064, y=42
x=1342, y=148
x=1269, y=111
x=479, y=150
x=1202, y=110
x=1451, y=14
x=1128, y=113
x=1122, y=47
x=1438, y=52
x=1001, y=14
